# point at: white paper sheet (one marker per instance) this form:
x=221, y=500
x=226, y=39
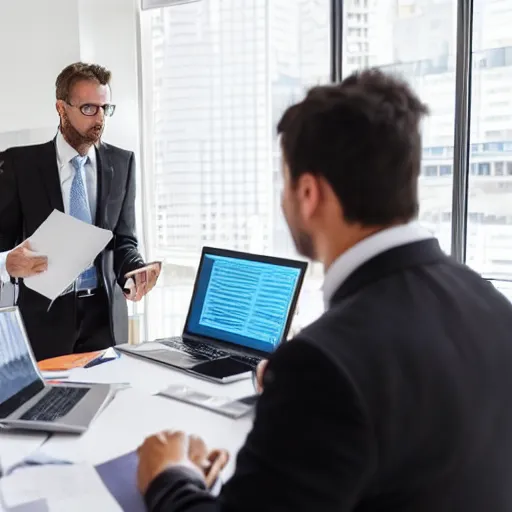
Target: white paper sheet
x=16, y=446
x=65, y=488
x=71, y=247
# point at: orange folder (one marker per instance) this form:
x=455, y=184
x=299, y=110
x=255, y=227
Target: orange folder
x=63, y=363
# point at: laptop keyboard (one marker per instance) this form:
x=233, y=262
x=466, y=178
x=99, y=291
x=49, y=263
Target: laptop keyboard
x=55, y=404
x=207, y=350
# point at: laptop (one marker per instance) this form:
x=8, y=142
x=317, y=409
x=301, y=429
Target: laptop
x=27, y=401
x=241, y=310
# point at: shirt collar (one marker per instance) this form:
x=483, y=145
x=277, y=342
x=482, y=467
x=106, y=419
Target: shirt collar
x=368, y=248
x=66, y=153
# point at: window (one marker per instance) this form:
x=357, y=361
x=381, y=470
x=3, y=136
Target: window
x=417, y=42
x=445, y=170
x=430, y=170
x=489, y=250
x=226, y=140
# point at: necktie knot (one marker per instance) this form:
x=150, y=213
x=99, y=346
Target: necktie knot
x=79, y=161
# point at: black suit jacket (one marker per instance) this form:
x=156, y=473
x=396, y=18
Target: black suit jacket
x=29, y=191
x=397, y=399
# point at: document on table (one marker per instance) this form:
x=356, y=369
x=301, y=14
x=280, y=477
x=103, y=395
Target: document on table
x=71, y=247
x=64, y=488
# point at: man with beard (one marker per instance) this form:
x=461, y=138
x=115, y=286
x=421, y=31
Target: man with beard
x=398, y=397
x=95, y=182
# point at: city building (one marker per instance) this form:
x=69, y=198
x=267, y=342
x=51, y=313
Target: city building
x=223, y=71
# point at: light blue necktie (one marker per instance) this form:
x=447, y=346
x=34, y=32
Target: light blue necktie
x=79, y=208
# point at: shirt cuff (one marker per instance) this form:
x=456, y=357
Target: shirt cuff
x=4, y=275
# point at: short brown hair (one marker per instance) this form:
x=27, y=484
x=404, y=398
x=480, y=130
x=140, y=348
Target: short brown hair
x=363, y=137
x=76, y=72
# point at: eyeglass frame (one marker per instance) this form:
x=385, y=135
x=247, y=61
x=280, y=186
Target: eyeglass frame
x=96, y=107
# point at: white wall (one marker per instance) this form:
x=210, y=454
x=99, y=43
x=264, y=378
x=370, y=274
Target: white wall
x=38, y=38
x=108, y=36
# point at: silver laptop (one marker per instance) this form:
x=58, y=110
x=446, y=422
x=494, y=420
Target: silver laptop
x=26, y=401
x=241, y=310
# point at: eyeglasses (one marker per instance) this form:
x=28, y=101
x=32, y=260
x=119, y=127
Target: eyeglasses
x=90, y=110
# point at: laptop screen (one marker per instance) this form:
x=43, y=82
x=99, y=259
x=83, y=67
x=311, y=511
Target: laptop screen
x=17, y=369
x=247, y=302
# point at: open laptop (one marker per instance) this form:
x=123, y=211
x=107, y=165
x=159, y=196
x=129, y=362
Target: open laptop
x=26, y=401
x=241, y=310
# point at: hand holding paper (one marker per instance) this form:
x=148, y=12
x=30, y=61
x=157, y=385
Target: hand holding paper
x=71, y=247
x=22, y=261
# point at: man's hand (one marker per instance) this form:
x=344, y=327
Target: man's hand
x=166, y=449
x=23, y=262
x=260, y=372
x=141, y=281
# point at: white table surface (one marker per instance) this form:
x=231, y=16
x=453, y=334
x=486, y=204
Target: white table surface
x=135, y=413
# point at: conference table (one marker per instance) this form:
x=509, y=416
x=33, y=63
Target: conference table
x=134, y=413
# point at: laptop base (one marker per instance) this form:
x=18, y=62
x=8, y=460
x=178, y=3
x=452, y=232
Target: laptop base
x=222, y=371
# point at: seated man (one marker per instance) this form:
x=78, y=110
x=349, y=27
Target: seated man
x=398, y=397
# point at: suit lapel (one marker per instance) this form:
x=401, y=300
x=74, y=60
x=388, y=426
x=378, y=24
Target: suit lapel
x=50, y=174
x=105, y=175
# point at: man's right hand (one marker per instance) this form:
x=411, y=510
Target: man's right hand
x=23, y=262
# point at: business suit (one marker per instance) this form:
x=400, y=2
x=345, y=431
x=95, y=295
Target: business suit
x=29, y=191
x=396, y=399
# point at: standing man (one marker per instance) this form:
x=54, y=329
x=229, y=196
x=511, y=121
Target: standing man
x=76, y=173
x=398, y=397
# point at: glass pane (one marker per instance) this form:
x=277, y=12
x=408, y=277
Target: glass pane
x=417, y=40
x=218, y=75
x=489, y=242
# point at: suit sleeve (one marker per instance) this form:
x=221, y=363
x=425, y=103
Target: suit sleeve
x=10, y=214
x=311, y=447
x=10, y=210
x=126, y=252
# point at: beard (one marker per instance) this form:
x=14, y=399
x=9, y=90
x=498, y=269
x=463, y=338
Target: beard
x=75, y=138
x=303, y=243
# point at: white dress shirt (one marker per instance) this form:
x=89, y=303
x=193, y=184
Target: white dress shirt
x=65, y=153
x=366, y=249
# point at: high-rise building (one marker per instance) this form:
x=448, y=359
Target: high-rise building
x=417, y=39
x=223, y=71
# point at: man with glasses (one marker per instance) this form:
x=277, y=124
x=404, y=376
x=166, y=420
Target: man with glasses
x=79, y=174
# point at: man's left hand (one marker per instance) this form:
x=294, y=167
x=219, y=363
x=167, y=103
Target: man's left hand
x=168, y=449
x=141, y=281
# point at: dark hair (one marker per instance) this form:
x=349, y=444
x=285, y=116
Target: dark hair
x=76, y=72
x=363, y=137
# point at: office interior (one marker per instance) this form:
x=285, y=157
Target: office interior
x=200, y=85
